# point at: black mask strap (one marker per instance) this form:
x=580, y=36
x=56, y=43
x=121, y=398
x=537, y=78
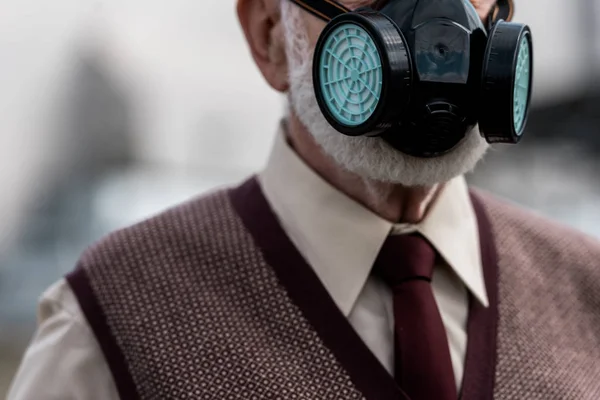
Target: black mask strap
x=504, y=10
x=323, y=9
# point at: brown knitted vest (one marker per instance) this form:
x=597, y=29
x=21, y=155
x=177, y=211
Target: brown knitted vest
x=210, y=300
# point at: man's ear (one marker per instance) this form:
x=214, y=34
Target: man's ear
x=261, y=23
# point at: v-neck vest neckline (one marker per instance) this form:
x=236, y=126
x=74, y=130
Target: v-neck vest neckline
x=308, y=293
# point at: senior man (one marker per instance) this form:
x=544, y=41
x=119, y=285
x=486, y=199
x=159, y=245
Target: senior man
x=354, y=266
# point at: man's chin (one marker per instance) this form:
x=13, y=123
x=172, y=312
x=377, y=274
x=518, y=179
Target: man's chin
x=373, y=158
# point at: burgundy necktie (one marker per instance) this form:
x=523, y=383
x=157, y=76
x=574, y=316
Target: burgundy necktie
x=423, y=368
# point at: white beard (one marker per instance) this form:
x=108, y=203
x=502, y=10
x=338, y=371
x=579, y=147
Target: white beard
x=369, y=157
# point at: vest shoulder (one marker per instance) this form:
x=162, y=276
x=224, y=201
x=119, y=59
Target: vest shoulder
x=188, y=229
x=548, y=297
x=519, y=229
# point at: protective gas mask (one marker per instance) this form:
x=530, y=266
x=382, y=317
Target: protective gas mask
x=422, y=73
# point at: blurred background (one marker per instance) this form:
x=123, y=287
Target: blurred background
x=112, y=110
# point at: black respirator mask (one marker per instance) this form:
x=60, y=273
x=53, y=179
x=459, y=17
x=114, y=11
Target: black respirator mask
x=422, y=73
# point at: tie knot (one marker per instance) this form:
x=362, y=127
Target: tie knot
x=405, y=257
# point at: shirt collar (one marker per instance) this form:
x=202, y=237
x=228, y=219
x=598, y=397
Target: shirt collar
x=340, y=238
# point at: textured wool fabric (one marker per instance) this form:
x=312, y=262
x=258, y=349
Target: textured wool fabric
x=185, y=306
x=190, y=330
x=549, y=306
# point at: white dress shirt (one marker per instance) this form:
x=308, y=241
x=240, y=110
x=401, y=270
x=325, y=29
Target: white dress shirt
x=338, y=237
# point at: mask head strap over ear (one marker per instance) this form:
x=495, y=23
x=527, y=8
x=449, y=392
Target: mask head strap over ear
x=504, y=9
x=325, y=10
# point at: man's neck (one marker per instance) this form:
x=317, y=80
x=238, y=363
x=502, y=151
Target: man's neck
x=390, y=201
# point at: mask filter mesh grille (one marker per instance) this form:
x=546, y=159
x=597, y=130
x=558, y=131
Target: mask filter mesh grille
x=351, y=76
x=522, y=82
